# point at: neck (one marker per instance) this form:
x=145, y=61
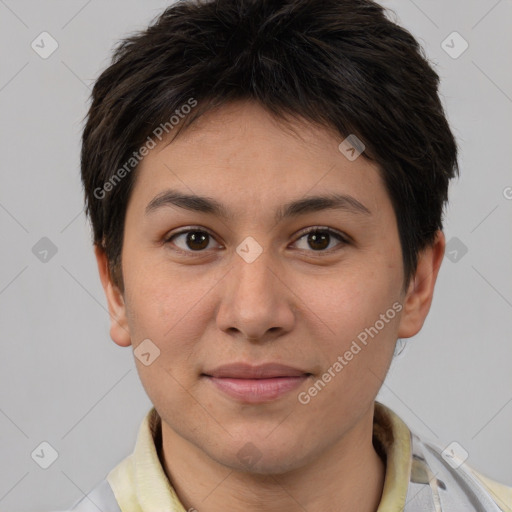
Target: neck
x=348, y=475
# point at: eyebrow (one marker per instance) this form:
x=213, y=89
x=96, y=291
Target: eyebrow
x=309, y=204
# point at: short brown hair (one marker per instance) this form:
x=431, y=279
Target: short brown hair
x=340, y=63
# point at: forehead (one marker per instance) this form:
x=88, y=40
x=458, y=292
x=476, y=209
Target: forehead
x=243, y=155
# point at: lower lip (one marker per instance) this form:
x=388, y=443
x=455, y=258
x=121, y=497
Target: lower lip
x=257, y=390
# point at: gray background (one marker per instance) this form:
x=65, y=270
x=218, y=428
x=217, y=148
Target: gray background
x=62, y=380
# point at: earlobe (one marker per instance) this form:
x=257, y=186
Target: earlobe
x=119, y=330
x=419, y=296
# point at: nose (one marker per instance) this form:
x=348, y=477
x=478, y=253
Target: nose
x=256, y=302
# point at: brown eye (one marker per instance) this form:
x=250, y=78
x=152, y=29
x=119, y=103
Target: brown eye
x=320, y=240
x=192, y=240
x=197, y=240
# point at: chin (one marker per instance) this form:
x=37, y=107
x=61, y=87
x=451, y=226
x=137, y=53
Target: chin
x=260, y=459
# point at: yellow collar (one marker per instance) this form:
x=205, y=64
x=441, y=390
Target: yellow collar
x=140, y=484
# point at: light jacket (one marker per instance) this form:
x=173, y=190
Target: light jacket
x=420, y=476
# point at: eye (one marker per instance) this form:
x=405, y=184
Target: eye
x=319, y=239
x=191, y=240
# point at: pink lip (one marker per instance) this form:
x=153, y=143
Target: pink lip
x=255, y=384
x=262, y=371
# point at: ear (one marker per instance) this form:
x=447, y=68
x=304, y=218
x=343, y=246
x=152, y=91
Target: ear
x=119, y=330
x=418, y=298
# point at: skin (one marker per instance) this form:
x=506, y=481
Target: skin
x=293, y=305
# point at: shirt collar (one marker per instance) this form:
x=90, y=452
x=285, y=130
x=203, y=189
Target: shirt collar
x=140, y=484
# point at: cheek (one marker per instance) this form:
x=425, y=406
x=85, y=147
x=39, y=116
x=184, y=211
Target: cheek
x=167, y=311
x=344, y=302
x=167, y=307
x=359, y=317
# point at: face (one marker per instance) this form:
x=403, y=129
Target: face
x=257, y=270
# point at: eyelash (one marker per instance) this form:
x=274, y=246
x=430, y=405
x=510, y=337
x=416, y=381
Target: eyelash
x=316, y=229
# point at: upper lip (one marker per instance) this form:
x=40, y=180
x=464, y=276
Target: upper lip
x=248, y=371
